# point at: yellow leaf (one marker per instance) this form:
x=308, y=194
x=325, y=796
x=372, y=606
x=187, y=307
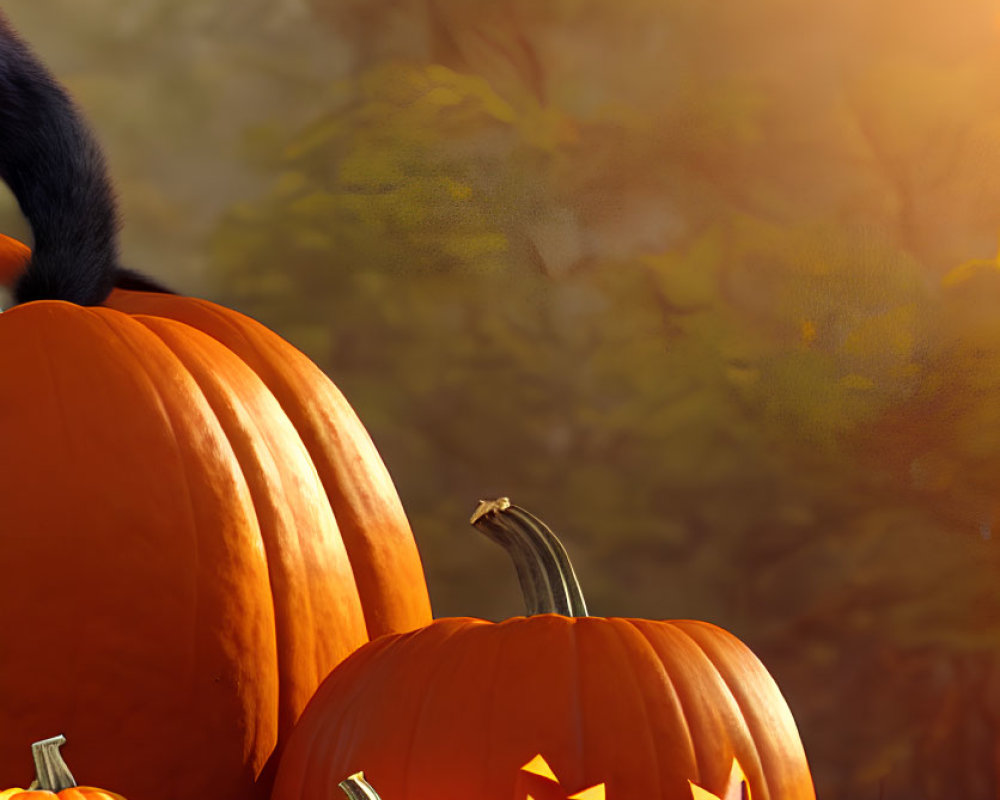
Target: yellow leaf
x=968, y=269
x=808, y=328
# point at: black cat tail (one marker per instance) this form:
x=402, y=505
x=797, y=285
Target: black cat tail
x=54, y=167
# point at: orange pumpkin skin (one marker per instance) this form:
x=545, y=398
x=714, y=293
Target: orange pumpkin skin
x=168, y=539
x=74, y=793
x=370, y=517
x=453, y=710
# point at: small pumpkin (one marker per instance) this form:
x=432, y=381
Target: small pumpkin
x=53, y=778
x=196, y=526
x=453, y=710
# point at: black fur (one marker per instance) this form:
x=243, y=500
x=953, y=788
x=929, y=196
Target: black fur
x=55, y=168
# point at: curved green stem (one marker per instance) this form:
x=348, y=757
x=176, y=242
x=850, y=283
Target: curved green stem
x=547, y=578
x=357, y=788
x=52, y=774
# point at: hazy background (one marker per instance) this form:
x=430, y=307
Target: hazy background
x=710, y=287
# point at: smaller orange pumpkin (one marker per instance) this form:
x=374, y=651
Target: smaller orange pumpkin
x=631, y=708
x=54, y=778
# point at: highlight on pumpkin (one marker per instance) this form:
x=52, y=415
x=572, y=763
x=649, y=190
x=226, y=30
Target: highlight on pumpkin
x=737, y=788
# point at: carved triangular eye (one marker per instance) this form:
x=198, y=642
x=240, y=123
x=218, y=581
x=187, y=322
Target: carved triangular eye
x=593, y=793
x=539, y=766
x=738, y=788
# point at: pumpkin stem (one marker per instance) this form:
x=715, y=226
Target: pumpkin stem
x=55, y=169
x=52, y=774
x=547, y=579
x=357, y=788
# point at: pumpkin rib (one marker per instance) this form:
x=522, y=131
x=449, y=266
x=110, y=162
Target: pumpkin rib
x=369, y=513
x=732, y=726
x=675, y=697
x=779, y=718
x=762, y=789
x=282, y=521
x=140, y=367
x=340, y=737
x=636, y=635
x=497, y=709
x=576, y=705
x=444, y=660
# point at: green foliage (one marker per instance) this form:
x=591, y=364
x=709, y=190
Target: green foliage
x=686, y=302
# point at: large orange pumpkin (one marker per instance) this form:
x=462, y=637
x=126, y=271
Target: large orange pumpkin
x=453, y=710
x=175, y=571
x=195, y=526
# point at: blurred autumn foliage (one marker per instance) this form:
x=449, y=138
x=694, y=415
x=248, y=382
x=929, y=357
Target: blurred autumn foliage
x=711, y=287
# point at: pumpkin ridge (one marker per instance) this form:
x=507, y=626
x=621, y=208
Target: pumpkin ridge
x=359, y=488
x=663, y=638
x=254, y=446
x=349, y=713
x=762, y=791
x=139, y=367
x=198, y=658
x=495, y=707
x=711, y=638
x=762, y=782
x=636, y=634
x=261, y=734
x=444, y=657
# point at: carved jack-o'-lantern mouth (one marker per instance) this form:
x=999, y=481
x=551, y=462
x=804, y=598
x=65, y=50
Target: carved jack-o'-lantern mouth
x=538, y=782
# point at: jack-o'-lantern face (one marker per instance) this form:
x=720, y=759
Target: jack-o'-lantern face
x=537, y=781
x=736, y=789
